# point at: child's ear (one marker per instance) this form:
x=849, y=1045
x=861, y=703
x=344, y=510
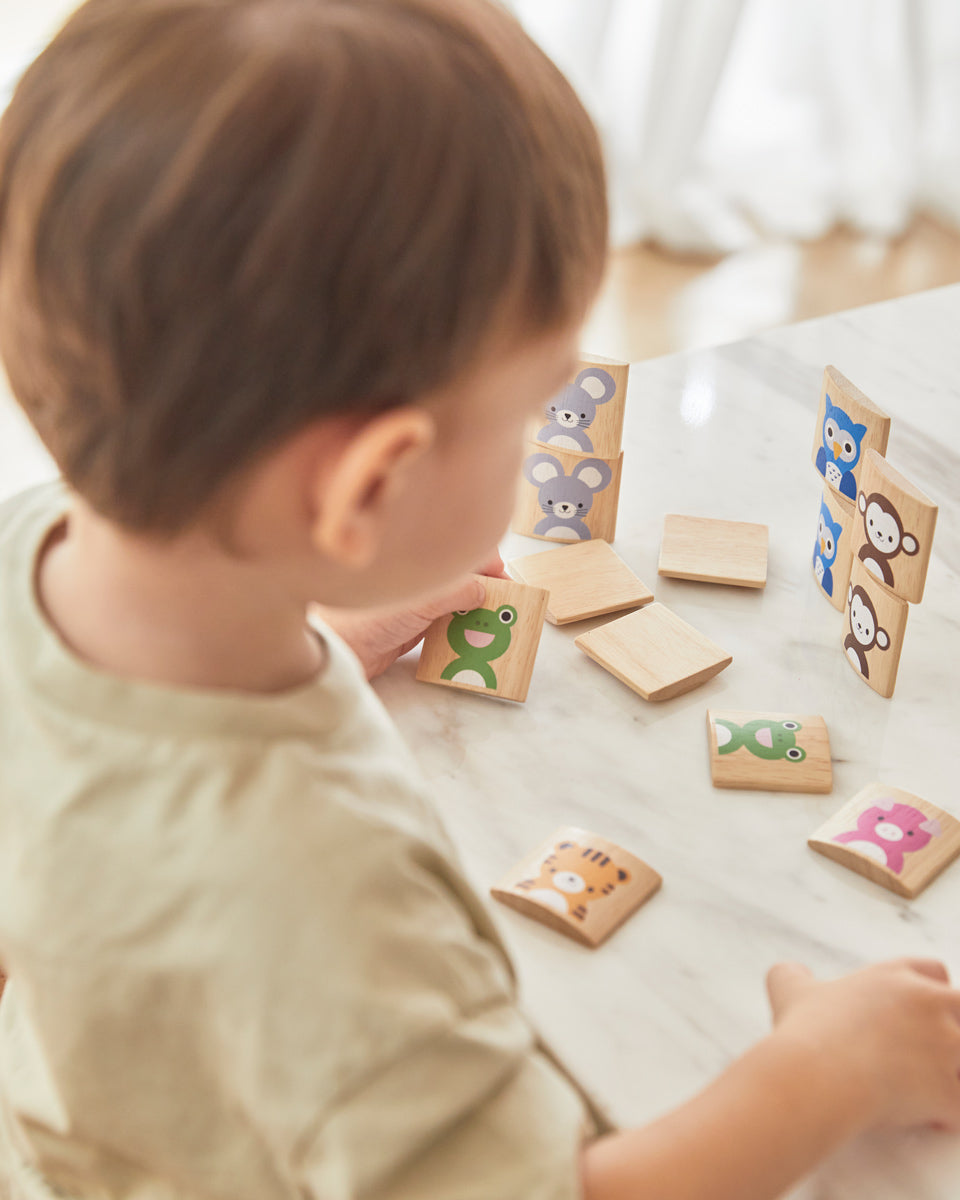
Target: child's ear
x=352, y=502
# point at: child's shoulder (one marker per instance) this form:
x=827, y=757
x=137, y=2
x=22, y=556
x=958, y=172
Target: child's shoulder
x=29, y=513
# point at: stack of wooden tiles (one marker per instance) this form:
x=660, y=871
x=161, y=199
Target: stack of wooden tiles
x=570, y=490
x=874, y=531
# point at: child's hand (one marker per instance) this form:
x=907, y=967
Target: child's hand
x=380, y=638
x=890, y=1032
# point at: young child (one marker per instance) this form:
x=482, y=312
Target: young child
x=281, y=282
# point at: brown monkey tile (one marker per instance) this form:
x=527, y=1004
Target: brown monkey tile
x=894, y=530
x=874, y=629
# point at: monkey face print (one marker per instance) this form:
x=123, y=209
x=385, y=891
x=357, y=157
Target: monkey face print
x=891, y=837
x=896, y=523
x=876, y=622
x=848, y=425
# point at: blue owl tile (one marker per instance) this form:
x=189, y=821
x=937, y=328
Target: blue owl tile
x=833, y=546
x=848, y=425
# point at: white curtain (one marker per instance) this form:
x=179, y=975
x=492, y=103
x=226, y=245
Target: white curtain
x=730, y=120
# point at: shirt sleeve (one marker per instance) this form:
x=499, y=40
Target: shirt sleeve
x=389, y=1059
x=476, y=1114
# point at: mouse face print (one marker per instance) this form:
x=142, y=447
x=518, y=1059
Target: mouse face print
x=570, y=415
x=574, y=498
x=586, y=416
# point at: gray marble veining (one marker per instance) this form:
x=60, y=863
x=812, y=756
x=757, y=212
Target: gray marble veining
x=655, y=1013
x=678, y=991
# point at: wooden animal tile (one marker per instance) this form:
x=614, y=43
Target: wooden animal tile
x=892, y=838
x=584, y=580
x=833, y=547
x=848, y=425
x=490, y=650
x=873, y=633
x=895, y=529
x=587, y=415
x=769, y=752
x=566, y=497
x=730, y=552
x=579, y=884
x=654, y=652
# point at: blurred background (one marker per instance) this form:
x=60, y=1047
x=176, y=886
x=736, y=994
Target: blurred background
x=769, y=160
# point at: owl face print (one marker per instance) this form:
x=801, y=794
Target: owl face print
x=825, y=551
x=842, y=438
x=839, y=452
x=828, y=536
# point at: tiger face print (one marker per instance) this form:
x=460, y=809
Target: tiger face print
x=573, y=876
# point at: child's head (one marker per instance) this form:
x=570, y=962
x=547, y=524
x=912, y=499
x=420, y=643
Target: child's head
x=349, y=239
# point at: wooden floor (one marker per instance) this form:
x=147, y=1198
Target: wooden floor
x=655, y=303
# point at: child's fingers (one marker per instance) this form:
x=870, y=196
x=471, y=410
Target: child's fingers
x=469, y=594
x=931, y=967
x=785, y=982
x=494, y=567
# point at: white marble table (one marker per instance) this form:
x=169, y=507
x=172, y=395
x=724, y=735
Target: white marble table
x=677, y=992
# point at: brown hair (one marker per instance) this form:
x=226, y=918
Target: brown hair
x=220, y=219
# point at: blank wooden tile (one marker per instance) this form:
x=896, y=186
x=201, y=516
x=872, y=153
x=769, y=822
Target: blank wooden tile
x=490, y=650
x=892, y=838
x=567, y=497
x=579, y=884
x=833, y=546
x=654, y=652
x=584, y=580
x=730, y=552
x=848, y=425
x=586, y=416
x=876, y=621
x=895, y=529
x=769, y=752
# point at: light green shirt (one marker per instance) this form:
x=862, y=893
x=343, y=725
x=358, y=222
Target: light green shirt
x=243, y=961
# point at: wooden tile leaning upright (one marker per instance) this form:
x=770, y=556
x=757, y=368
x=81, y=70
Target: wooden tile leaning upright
x=570, y=489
